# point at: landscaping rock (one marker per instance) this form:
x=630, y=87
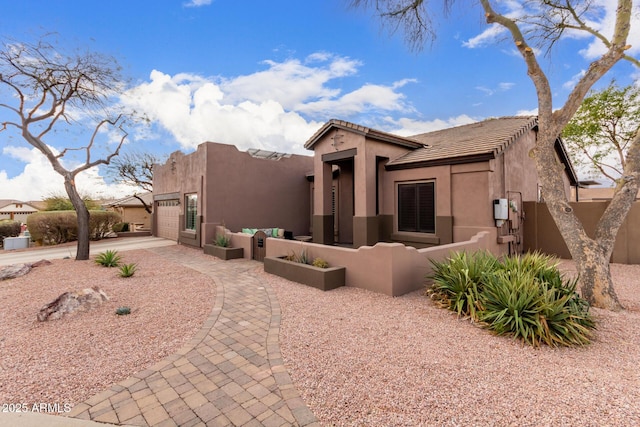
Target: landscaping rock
x=17, y=270
x=13, y=271
x=70, y=302
x=40, y=263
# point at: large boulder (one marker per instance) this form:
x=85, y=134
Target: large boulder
x=17, y=270
x=13, y=271
x=70, y=302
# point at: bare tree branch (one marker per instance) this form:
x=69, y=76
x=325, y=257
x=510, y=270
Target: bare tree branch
x=48, y=84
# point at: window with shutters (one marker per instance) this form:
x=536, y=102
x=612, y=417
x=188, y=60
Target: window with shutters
x=417, y=207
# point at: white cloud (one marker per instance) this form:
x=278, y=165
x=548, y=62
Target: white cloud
x=601, y=17
x=569, y=85
x=38, y=179
x=533, y=112
x=501, y=87
x=408, y=127
x=603, y=21
x=197, y=3
x=486, y=38
x=275, y=109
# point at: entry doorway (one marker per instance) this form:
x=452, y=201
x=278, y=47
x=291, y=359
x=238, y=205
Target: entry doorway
x=344, y=202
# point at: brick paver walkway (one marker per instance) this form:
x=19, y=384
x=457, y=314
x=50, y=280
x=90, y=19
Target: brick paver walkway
x=230, y=373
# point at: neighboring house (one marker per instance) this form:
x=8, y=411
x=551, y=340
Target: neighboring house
x=586, y=192
x=220, y=185
x=16, y=210
x=132, y=209
x=428, y=189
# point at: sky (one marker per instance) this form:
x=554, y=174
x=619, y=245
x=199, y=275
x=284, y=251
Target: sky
x=268, y=74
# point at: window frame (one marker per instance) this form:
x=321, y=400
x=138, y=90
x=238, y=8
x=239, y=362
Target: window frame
x=190, y=212
x=418, y=227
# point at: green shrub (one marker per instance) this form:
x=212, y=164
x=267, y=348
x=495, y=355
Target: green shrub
x=9, y=228
x=519, y=304
x=222, y=241
x=457, y=281
x=302, y=257
x=123, y=311
x=128, y=270
x=523, y=296
x=101, y=223
x=120, y=227
x=57, y=202
x=52, y=228
x=319, y=262
x=108, y=258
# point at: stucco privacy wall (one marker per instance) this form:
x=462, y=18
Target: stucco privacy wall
x=389, y=268
x=541, y=232
x=237, y=189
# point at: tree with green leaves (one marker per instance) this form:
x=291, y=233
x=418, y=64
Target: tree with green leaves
x=57, y=202
x=544, y=24
x=48, y=93
x=601, y=132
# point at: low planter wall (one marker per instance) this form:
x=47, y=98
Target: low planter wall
x=388, y=268
x=224, y=253
x=321, y=278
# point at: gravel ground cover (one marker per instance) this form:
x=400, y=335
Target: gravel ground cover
x=68, y=360
x=360, y=358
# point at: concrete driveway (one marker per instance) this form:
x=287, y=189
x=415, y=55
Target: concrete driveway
x=69, y=250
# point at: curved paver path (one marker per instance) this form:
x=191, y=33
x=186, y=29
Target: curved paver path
x=230, y=373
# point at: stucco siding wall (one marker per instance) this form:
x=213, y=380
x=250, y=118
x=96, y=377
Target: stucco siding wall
x=520, y=168
x=237, y=189
x=541, y=232
x=247, y=192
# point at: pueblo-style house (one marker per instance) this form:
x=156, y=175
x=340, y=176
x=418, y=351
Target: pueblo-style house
x=424, y=190
x=362, y=186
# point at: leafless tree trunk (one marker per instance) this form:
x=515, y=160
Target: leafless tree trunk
x=551, y=19
x=45, y=84
x=591, y=255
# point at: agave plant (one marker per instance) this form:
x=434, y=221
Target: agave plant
x=128, y=270
x=109, y=258
x=122, y=311
x=523, y=296
x=518, y=303
x=458, y=281
x=222, y=241
x=512, y=305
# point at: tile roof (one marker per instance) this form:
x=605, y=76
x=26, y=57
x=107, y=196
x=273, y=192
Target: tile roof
x=487, y=138
x=132, y=201
x=7, y=202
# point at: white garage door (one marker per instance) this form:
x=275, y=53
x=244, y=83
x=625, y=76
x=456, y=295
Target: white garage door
x=168, y=215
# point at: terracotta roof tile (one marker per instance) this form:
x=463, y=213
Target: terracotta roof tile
x=489, y=137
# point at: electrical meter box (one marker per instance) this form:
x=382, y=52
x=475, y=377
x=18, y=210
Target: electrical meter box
x=501, y=209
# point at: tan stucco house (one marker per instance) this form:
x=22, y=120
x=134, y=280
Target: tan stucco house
x=16, y=210
x=429, y=189
x=220, y=185
x=134, y=209
x=362, y=186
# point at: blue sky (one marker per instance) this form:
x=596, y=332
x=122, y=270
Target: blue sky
x=267, y=74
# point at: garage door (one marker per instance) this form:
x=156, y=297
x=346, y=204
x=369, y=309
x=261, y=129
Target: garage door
x=168, y=215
